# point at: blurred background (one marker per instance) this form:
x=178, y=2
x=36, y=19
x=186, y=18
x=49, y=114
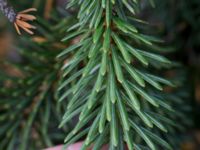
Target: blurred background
x=177, y=22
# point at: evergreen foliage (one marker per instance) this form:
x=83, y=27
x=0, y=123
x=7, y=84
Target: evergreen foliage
x=108, y=70
x=183, y=23
x=29, y=110
x=116, y=88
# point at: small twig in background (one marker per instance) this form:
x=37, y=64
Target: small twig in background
x=48, y=8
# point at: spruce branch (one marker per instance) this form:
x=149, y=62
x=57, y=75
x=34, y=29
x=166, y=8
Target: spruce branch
x=29, y=111
x=113, y=85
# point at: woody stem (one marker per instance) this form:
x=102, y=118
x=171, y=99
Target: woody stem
x=7, y=10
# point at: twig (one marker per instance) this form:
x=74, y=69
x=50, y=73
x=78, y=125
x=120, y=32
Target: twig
x=20, y=20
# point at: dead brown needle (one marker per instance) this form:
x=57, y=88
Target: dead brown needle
x=22, y=19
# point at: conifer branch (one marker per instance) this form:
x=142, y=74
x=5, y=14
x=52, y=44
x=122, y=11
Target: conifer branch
x=114, y=87
x=29, y=111
x=113, y=77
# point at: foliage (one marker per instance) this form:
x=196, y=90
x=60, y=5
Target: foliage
x=109, y=71
x=112, y=71
x=29, y=112
x=180, y=21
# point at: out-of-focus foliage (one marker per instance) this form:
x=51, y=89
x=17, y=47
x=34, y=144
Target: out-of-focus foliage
x=29, y=111
x=179, y=21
